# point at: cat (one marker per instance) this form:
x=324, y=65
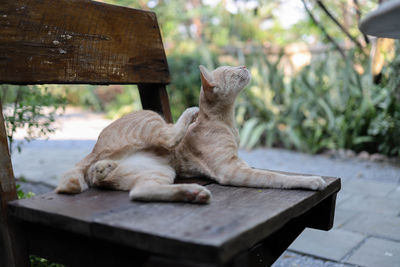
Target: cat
x=143, y=154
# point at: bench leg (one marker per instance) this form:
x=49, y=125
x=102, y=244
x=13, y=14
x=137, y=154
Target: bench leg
x=270, y=249
x=19, y=243
x=12, y=244
x=321, y=217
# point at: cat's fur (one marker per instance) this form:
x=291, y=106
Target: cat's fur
x=142, y=153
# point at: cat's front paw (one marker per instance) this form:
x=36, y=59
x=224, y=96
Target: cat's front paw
x=196, y=194
x=315, y=183
x=191, y=114
x=72, y=182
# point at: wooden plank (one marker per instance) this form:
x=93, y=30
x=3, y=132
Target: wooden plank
x=271, y=248
x=74, y=213
x=69, y=212
x=322, y=216
x=155, y=97
x=7, y=192
x=96, y=253
x=236, y=219
x=88, y=42
x=72, y=249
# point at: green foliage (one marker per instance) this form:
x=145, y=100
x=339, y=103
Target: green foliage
x=185, y=78
x=124, y=101
x=40, y=262
x=327, y=105
x=21, y=194
x=31, y=107
x=385, y=123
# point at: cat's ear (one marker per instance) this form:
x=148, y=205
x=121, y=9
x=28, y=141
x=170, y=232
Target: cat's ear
x=206, y=79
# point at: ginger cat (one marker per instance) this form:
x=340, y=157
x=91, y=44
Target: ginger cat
x=143, y=154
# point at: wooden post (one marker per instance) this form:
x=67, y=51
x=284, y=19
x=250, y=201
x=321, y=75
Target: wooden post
x=7, y=192
x=155, y=97
x=323, y=214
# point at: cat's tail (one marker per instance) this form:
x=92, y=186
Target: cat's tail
x=238, y=173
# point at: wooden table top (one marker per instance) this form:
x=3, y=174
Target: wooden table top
x=383, y=21
x=236, y=219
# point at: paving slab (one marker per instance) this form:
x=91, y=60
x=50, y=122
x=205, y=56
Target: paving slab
x=367, y=187
x=331, y=245
x=380, y=205
x=377, y=252
x=346, y=168
x=342, y=217
x=292, y=259
x=395, y=194
x=46, y=161
x=379, y=225
x=342, y=196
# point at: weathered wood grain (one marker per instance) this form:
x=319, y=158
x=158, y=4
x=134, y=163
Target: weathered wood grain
x=79, y=41
x=70, y=213
x=237, y=219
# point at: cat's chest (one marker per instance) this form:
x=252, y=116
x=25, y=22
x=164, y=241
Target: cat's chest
x=205, y=137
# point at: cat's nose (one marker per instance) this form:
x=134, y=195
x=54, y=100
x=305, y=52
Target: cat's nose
x=243, y=67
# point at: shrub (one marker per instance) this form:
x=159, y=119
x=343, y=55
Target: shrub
x=31, y=107
x=327, y=105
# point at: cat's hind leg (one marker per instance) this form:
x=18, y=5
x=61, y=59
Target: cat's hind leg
x=100, y=170
x=160, y=189
x=153, y=191
x=149, y=178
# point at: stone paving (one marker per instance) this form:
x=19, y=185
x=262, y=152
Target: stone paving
x=367, y=210
x=367, y=223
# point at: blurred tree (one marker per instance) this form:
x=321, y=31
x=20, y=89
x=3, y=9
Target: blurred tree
x=32, y=108
x=329, y=102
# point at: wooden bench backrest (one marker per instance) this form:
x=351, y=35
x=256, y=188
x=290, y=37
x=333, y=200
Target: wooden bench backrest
x=76, y=41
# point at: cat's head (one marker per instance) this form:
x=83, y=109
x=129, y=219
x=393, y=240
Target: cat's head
x=224, y=82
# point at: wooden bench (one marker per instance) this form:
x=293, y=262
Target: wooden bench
x=79, y=41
